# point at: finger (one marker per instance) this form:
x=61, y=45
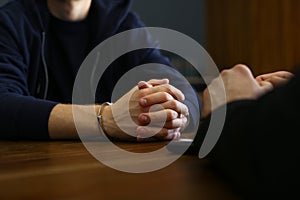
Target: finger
x=177, y=106
x=161, y=134
x=171, y=124
x=259, y=79
x=263, y=77
x=173, y=91
x=176, y=123
x=282, y=74
x=155, y=98
x=206, y=104
x=144, y=84
x=151, y=83
x=277, y=81
x=266, y=86
x=174, y=135
x=158, y=116
x=155, y=95
x=172, y=104
x=156, y=82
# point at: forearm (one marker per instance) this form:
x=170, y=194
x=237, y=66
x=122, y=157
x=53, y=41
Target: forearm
x=66, y=121
x=61, y=123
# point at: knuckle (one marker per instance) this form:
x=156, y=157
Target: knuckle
x=186, y=108
x=172, y=124
x=167, y=88
x=174, y=104
x=184, y=122
x=205, y=92
x=144, y=109
x=172, y=114
x=226, y=71
x=240, y=67
x=163, y=133
x=141, y=93
x=153, y=117
x=167, y=96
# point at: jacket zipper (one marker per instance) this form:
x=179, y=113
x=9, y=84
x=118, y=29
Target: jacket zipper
x=45, y=65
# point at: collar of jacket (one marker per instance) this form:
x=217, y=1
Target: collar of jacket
x=101, y=10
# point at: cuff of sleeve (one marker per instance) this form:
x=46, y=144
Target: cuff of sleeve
x=33, y=118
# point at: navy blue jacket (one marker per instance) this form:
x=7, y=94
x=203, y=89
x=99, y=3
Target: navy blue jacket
x=24, y=108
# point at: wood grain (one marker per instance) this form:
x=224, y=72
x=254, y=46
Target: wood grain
x=264, y=34
x=66, y=170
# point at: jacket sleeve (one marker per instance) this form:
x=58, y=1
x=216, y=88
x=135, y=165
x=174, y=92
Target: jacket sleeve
x=258, y=150
x=21, y=115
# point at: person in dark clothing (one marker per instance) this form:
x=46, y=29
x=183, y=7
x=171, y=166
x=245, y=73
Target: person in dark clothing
x=258, y=149
x=42, y=46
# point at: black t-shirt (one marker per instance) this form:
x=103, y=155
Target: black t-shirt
x=68, y=45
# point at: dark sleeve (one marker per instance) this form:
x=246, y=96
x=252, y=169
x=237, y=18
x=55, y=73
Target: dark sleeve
x=21, y=116
x=258, y=150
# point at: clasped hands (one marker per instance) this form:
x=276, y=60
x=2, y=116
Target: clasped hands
x=155, y=107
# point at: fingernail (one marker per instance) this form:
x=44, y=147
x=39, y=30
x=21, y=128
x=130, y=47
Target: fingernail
x=141, y=131
x=141, y=137
x=144, y=118
x=143, y=102
x=141, y=84
x=177, y=135
x=166, y=80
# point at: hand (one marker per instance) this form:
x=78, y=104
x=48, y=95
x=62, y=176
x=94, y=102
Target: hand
x=239, y=83
x=276, y=78
x=170, y=107
x=139, y=101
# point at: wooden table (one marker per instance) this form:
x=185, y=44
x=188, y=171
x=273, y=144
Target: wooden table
x=66, y=170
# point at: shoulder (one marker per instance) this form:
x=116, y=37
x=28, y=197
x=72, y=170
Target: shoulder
x=17, y=16
x=13, y=15
x=23, y=10
x=12, y=9
x=11, y=18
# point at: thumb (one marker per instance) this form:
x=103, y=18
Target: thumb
x=144, y=85
x=266, y=86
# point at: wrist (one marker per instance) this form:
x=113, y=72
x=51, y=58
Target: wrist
x=106, y=121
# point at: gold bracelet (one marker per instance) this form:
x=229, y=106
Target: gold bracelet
x=100, y=118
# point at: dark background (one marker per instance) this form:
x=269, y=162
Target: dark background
x=184, y=16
